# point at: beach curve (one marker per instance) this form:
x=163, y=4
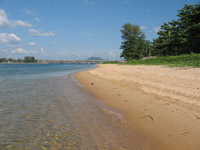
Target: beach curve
x=162, y=102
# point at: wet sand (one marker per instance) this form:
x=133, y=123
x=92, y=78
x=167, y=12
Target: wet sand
x=162, y=103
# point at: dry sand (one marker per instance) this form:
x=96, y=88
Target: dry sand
x=162, y=103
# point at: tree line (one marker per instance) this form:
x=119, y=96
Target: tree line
x=27, y=59
x=181, y=36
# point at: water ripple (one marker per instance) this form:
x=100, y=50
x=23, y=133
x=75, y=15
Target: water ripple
x=52, y=113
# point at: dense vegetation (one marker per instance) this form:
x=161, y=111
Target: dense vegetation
x=181, y=36
x=186, y=60
x=27, y=59
x=134, y=45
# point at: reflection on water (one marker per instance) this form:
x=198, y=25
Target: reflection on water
x=52, y=113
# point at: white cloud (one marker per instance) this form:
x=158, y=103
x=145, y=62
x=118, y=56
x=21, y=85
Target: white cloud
x=143, y=27
x=34, y=32
x=89, y=2
x=156, y=29
x=32, y=44
x=19, y=23
x=37, y=19
x=54, y=42
x=43, y=51
x=20, y=51
x=9, y=39
x=111, y=54
x=3, y=18
x=5, y=22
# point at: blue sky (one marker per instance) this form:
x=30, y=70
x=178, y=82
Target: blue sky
x=77, y=29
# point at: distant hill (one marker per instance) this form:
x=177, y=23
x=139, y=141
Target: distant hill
x=94, y=58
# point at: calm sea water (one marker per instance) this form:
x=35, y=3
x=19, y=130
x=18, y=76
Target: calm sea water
x=42, y=108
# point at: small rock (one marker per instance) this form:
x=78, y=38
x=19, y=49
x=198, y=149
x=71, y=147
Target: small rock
x=184, y=133
x=197, y=117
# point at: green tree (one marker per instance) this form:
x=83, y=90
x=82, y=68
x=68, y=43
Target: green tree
x=10, y=59
x=133, y=42
x=189, y=17
x=29, y=59
x=177, y=40
x=170, y=40
x=19, y=60
x=180, y=36
x=3, y=60
x=147, y=50
x=162, y=43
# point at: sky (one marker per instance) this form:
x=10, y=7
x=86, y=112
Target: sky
x=77, y=29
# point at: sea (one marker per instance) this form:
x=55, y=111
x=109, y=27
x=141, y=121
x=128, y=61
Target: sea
x=43, y=107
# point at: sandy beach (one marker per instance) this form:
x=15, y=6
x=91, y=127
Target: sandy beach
x=162, y=103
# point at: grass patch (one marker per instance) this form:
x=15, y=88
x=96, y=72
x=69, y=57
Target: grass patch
x=189, y=60
x=112, y=62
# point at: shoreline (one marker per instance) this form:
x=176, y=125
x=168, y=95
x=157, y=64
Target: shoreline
x=152, y=99
x=115, y=118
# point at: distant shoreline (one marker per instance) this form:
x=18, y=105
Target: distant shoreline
x=162, y=103
x=59, y=62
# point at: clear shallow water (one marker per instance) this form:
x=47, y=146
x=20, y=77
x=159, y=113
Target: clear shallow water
x=41, y=108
